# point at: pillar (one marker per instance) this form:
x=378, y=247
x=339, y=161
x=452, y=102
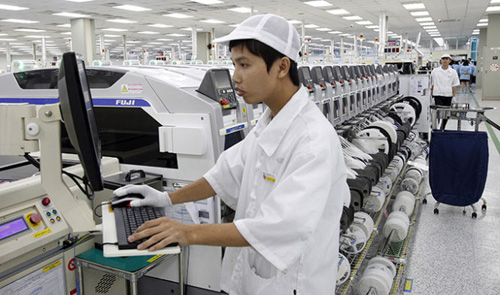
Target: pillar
x=83, y=37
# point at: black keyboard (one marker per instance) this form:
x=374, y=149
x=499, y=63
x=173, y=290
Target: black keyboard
x=128, y=219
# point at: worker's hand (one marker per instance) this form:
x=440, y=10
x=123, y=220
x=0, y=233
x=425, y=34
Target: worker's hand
x=161, y=232
x=152, y=197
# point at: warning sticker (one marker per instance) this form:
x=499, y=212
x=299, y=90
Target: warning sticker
x=131, y=88
x=494, y=68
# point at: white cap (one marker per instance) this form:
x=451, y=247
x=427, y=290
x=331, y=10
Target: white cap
x=270, y=29
x=446, y=55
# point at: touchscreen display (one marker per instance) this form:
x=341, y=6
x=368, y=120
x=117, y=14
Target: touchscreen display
x=12, y=227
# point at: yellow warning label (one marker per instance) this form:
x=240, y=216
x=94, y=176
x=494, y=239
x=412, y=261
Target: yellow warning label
x=154, y=258
x=124, y=88
x=55, y=264
x=42, y=233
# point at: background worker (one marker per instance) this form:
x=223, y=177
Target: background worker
x=444, y=81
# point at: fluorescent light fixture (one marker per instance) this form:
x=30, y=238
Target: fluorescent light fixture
x=432, y=30
x=110, y=40
x=7, y=39
x=208, y=2
x=3, y=34
x=66, y=33
x=439, y=41
x=352, y=17
x=161, y=26
x=178, y=15
x=483, y=20
x=377, y=30
x=147, y=33
x=30, y=30
x=494, y=1
x=121, y=21
x=429, y=27
x=364, y=22
x=12, y=7
x=344, y=35
x=294, y=22
x=311, y=26
x=71, y=14
x=155, y=43
x=20, y=21
x=234, y=26
x=36, y=36
x=165, y=40
x=323, y=29
x=493, y=8
x=318, y=3
x=475, y=33
x=189, y=29
x=372, y=27
x=132, y=8
x=112, y=36
x=413, y=6
x=176, y=35
x=338, y=12
x=241, y=9
x=335, y=32
x=419, y=13
x=424, y=19
x=428, y=24
x=212, y=21
x=65, y=26
x=482, y=24
x=435, y=35
x=115, y=30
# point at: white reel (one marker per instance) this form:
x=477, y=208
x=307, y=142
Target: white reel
x=343, y=269
x=404, y=202
x=405, y=111
x=398, y=222
x=365, y=222
x=353, y=240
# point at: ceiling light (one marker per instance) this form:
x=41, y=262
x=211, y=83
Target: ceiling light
x=12, y=7
x=412, y=6
x=121, y=21
x=176, y=35
x=71, y=14
x=372, y=27
x=115, y=30
x=234, y=26
x=475, y=33
x=66, y=33
x=493, y=8
x=482, y=24
x=208, y=2
x=311, y=26
x=344, y=34
x=494, y=1
x=484, y=20
x=364, y=22
x=352, y=17
x=160, y=26
x=323, y=29
x=424, y=19
x=148, y=33
x=156, y=43
x=30, y=30
x=318, y=3
x=419, y=13
x=189, y=29
x=163, y=39
x=241, y=9
x=20, y=21
x=212, y=21
x=178, y=15
x=7, y=39
x=338, y=11
x=132, y=8
x=428, y=24
x=112, y=36
x=65, y=26
x=429, y=27
x=36, y=36
x=335, y=32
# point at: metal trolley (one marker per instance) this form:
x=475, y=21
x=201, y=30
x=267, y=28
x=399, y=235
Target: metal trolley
x=458, y=160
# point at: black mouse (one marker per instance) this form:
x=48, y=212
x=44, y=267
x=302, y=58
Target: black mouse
x=125, y=200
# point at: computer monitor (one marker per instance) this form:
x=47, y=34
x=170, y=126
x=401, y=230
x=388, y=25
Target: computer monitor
x=77, y=112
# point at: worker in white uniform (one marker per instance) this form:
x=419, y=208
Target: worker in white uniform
x=286, y=180
x=444, y=81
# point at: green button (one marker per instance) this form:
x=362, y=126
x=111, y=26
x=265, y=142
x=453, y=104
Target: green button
x=54, y=211
x=48, y=213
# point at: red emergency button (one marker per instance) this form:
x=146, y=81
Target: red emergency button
x=223, y=102
x=349, y=80
x=45, y=201
x=309, y=87
x=35, y=218
x=321, y=85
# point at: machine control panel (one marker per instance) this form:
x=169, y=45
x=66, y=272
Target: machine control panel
x=218, y=86
x=227, y=99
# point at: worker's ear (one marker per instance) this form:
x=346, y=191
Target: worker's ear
x=283, y=67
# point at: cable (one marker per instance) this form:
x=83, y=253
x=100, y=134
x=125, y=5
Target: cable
x=95, y=209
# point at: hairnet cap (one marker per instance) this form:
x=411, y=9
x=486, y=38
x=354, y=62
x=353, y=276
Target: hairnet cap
x=446, y=56
x=270, y=29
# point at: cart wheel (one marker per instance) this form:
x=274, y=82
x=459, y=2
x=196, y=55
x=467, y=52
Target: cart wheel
x=474, y=215
x=436, y=211
x=424, y=201
x=483, y=207
x=464, y=212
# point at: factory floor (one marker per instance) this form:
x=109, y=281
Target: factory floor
x=451, y=253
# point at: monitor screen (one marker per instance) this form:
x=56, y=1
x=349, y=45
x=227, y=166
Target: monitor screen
x=337, y=74
x=328, y=73
x=306, y=73
x=77, y=112
x=222, y=79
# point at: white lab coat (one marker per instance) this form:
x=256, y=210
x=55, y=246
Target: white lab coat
x=287, y=182
x=443, y=81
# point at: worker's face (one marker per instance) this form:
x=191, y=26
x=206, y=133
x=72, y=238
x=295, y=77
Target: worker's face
x=445, y=61
x=251, y=79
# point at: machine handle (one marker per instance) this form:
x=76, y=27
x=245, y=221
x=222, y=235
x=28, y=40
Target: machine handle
x=131, y=172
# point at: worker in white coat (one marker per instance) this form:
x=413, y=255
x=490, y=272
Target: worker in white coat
x=286, y=180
